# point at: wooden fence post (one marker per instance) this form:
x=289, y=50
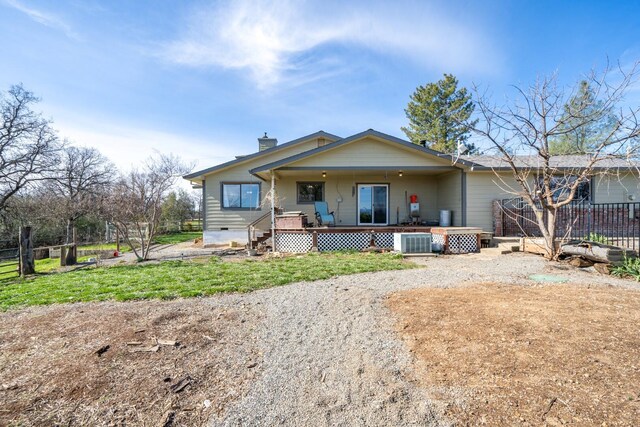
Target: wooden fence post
x=27, y=263
x=72, y=252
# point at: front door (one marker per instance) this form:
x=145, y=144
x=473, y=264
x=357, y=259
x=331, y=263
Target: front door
x=373, y=204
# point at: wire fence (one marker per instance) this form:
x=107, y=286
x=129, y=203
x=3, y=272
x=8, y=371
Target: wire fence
x=9, y=263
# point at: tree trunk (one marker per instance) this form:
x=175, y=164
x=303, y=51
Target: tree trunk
x=122, y=233
x=27, y=262
x=550, y=238
x=72, y=251
x=69, y=231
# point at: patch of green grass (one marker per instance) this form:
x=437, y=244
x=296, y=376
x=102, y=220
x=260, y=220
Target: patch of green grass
x=46, y=265
x=162, y=239
x=173, y=279
x=104, y=247
x=173, y=238
x=51, y=264
x=629, y=268
x=8, y=269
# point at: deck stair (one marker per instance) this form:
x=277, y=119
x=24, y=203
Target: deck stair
x=260, y=230
x=259, y=239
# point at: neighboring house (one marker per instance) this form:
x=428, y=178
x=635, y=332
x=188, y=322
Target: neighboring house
x=367, y=180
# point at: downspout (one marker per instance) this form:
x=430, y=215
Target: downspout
x=273, y=210
x=203, y=207
x=463, y=198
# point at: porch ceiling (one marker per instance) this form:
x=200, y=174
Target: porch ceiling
x=350, y=171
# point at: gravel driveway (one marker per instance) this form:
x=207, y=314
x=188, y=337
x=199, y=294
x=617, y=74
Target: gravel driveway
x=330, y=353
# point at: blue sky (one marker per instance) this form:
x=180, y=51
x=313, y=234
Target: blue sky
x=204, y=79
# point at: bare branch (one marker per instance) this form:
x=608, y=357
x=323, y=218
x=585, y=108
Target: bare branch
x=521, y=135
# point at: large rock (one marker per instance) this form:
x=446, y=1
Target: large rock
x=580, y=262
x=602, y=268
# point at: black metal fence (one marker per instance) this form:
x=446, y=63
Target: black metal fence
x=616, y=224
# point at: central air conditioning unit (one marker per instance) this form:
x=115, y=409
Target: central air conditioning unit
x=412, y=243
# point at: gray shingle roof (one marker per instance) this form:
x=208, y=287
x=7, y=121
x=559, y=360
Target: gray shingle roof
x=243, y=158
x=561, y=162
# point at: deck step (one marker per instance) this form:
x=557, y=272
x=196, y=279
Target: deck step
x=265, y=236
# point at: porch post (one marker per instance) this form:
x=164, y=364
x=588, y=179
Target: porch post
x=273, y=210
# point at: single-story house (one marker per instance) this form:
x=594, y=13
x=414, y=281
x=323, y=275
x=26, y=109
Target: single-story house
x=369, y=181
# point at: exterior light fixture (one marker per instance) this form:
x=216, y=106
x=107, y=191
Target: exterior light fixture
x=400, y=173
x=324, y=174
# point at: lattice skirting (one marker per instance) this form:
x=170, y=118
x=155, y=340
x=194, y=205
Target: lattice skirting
x=384, y=240
x=294, y=242
x=438, y=239
x=458, y=243
x=352, y=241
x=302, y=242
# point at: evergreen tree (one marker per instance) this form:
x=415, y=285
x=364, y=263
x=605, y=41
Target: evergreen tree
x=583, y=124
x=440, y=114
x=178, y=207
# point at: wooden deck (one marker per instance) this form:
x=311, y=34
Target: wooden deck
x=359, y=229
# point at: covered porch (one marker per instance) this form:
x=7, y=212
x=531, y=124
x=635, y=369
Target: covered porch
x=372, y=197
x=369, y=207
x=375, y=186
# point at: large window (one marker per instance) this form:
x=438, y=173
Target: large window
x=560, y=185
x=309, y=192
x=240, y=196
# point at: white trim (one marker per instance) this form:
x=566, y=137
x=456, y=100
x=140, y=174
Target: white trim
x=372, y=209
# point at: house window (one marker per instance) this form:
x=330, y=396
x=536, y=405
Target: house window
x=309, y=192
x=561, y=188
x=240, y=196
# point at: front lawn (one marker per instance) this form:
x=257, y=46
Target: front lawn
x=48, y=265
x=161, y=239
x=174, y=279
x=173, y=238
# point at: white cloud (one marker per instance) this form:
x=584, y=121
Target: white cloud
x=275, y=40
x=44, y=18
x=128, y=146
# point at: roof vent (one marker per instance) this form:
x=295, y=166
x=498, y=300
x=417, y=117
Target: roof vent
x=265, y=142
x=322, y=142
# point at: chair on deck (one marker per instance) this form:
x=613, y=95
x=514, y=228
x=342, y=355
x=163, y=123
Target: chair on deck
x=323, y=216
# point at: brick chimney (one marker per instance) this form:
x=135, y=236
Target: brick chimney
x=265, y=142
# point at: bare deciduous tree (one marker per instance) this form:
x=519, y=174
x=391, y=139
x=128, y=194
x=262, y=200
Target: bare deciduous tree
x=28, y=145
x=135, y=205
x=521, y=133
x=80, y=184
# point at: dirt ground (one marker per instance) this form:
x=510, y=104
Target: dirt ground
x=496, y=354
x=56, y=368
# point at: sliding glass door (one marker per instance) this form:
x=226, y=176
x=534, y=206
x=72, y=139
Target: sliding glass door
x=373, y=204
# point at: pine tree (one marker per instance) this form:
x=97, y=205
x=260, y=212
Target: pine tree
x=440, y=114
x=583, y=124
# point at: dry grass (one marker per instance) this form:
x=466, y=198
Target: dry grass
x=510, y=355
